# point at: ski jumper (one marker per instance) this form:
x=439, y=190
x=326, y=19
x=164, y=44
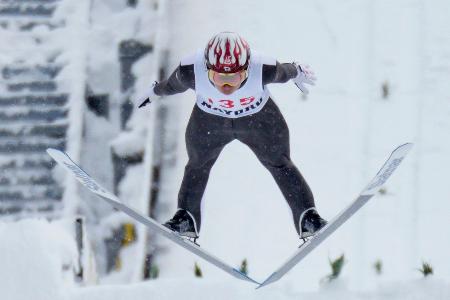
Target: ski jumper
x=249, y=115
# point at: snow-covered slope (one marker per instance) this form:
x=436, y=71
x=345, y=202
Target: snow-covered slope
x=215, y=289
x=39, y=259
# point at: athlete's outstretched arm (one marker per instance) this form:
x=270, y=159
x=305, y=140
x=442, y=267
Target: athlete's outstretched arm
x=278, y=73
x=281, y=73
x=178, y=82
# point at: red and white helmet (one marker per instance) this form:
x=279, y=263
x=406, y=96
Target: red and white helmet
x=227, y=52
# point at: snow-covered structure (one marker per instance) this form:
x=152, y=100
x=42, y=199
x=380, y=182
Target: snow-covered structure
x=36, y=102
x=66, y=82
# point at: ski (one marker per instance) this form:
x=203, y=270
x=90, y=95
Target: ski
x=64, y=160
x=368, y=192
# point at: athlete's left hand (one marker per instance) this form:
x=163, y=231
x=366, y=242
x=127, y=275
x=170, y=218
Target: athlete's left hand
x=146, y=98
x=304, y=75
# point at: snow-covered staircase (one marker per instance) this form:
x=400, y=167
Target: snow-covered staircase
x=34, y=106
x=29, y=8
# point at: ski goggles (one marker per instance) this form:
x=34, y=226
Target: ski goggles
x=232, y=79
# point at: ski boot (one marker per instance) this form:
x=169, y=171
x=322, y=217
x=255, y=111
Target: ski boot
x=310, y=223
x=184, y=224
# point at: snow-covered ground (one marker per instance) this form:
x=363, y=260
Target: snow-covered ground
x=39, y=259
x=205, y=290
x=340, y=135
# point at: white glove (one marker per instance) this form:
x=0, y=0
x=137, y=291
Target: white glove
x=147, y=97
x=304, y=75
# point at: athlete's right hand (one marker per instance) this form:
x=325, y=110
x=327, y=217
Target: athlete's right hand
x=147, y=97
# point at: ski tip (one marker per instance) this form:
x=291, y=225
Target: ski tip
x=53, y=152
x=405, y=146
x=402, y=150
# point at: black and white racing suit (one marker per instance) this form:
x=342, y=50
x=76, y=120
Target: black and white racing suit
x=264, y=132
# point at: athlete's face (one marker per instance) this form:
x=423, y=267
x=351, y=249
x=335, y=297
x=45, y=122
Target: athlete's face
x=227, y=83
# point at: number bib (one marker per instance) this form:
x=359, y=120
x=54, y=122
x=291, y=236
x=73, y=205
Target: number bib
x=247, y=100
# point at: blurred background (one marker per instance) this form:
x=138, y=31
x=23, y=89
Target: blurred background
x=71, y=73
